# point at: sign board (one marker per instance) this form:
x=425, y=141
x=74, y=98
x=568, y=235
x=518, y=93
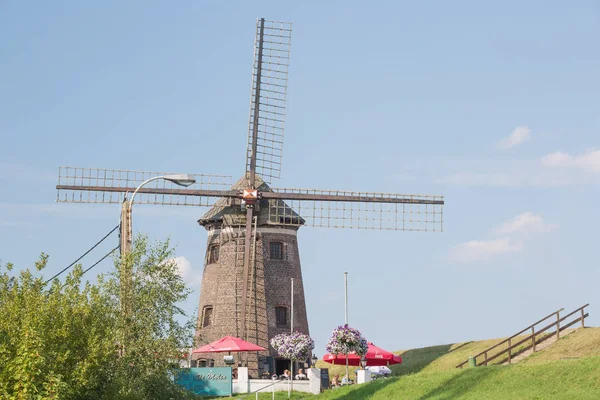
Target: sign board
x=325, y=378
x=206, y=381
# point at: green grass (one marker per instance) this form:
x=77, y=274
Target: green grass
x=569, y=369
x=427, y=359
x=563, y=379
x=579, y=344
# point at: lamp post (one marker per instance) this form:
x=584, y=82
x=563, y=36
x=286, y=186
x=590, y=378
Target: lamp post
x=314, y=360
x=126, y=239
x=363, y=362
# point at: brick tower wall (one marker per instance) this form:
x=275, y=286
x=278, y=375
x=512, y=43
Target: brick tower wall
x=268, y=287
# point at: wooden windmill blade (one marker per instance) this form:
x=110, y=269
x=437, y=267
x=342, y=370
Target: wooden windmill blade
x=264, y=151
x=266, y=122
x=96, y=185
x=358, y=210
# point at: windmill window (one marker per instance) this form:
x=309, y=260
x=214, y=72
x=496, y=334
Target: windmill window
x=276, y=251
x=281, y=315
x=207, y=319
x=213, y=253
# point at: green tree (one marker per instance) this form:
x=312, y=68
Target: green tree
x=54, y=339
x=72, y=340
x=153, y=330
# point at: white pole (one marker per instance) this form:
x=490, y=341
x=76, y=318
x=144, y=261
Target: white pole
x=292, y=309
x=346, y=312
x=346, y=296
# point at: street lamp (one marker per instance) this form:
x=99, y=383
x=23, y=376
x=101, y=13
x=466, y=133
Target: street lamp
x=126, y=268
x=178, y=179
x=363, y=362
x=314, y=360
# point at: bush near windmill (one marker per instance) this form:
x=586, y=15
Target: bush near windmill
x=68, y=339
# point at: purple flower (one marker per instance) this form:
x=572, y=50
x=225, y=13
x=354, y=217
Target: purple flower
x=296, y=346
x=346, y=340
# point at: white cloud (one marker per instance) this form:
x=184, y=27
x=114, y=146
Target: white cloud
x=482, y=250
x=526, y=222
x=553, y=170
x=186, y=270
x=513, y=233
x=485, y=179
x=527, y=177
x=519, y=135
x=587, y=161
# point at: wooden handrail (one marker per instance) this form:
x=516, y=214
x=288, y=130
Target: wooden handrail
x=532, y=336
x=512, y=337
x=541, y=331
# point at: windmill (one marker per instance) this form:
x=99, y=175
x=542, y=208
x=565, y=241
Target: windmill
x=252, y=249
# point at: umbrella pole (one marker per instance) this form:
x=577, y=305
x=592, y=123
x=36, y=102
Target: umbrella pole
x=347, y=375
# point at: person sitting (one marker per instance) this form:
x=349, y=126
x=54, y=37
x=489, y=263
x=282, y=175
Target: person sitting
x=286, y=374
x=265, y=375
x=346, y=381
x=335, y=382
x=301, y=376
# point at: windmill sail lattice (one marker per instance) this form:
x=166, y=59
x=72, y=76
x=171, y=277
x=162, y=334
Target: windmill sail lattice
x=357, y=210
x=97, y=185
x=268, y=96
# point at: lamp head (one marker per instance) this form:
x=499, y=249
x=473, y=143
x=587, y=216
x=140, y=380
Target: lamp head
x=363, y=362
x=181, y=179
x=314, y=360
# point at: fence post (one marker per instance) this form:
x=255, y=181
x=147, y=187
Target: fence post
x=533, y=338
x=472, y=362
x=509, y=355
x=485, y=355
x=582, y=317
x=557, y=325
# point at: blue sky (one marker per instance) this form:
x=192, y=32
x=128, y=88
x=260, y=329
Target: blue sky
x=494, y=106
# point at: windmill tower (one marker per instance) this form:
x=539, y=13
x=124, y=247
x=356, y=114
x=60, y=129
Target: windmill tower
x=252, y=248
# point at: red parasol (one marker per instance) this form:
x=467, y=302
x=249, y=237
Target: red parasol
x=375, y=357
x=228, y=344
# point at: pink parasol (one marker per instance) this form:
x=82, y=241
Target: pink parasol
x=228, y=344
x=375, y=357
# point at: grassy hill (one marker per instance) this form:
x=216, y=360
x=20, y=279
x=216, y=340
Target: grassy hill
x=581, y=343
x=569, y=369
x=565, y=379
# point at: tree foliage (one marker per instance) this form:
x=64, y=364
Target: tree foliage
x=72, y=340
